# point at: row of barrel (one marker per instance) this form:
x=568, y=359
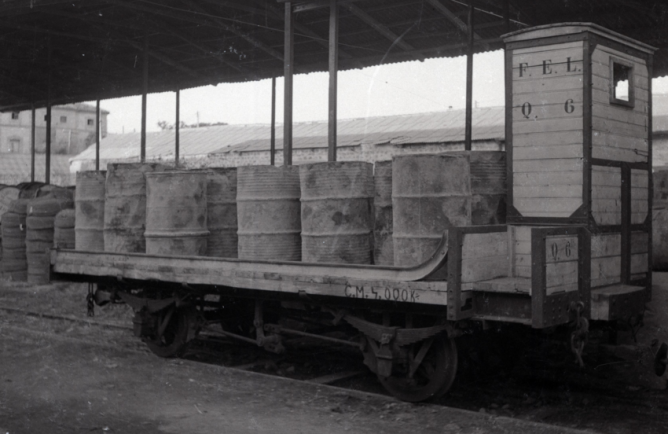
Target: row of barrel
x=338, y=212
x=30, y=228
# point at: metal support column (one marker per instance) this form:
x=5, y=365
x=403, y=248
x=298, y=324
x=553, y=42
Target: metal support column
x=47, y=165
x=143, y=102
x=469, y=78
x=272, y=156
x=333, y=72
x=288, y=62
x=32, y=145
x=177, y=126
x=98, y=130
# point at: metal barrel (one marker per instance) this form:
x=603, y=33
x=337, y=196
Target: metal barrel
x=125, y=206
x=433, y=192
x=176, y=213
x=14, y=265
x=430, y=193
x=40, y=224
x=221, y=191
x=660, y=221
x=337, y=212
x=63, y=229
x=660, y=184
x=89, y=211
x=268, y=213
x=383, y=246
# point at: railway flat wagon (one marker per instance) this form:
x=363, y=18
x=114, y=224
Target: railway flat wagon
x=574, y=249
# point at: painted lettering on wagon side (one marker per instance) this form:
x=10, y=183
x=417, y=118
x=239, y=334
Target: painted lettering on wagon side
x=388, y=294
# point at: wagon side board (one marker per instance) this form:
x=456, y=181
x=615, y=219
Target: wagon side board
x=296, y=278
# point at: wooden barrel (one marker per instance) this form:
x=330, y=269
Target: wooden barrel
x=433, y=192
x=40, y=224
x=63, y=229
x=125, y=206
x=14, y=264
x=176, y=213
x=383, y=251
x=337, y=212
x=8, y=195
x=268, y=213
x=89, y=211
x=221, y=203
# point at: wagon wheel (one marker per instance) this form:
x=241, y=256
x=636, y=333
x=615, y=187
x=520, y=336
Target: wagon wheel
x=431, y=378
x=177, y=324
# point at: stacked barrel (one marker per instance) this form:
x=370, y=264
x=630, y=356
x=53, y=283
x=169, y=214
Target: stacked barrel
x=221, y=215
x=14, y=261
x=40, y=224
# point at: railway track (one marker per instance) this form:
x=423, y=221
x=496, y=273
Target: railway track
x=553, y=395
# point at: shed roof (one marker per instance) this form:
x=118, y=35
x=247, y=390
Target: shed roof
x=437, y=127
x=93, y=49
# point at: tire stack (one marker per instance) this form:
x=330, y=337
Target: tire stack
x=40, y=224
x=14, y=264
x=63, y=234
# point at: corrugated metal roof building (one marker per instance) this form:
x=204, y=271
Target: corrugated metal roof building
x=367, y=139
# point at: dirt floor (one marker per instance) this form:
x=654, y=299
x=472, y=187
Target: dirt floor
x=64, y=377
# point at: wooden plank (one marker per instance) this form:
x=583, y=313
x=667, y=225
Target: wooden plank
x=556, y=165
x=640, y=263
x=551, y=83
x=484, y=268
x=244, y=274
x=534, y=109
x=519, y=285
x=549, y=191
x=547, y=152
x=602, y=96
x=521, y=242
x=639, y=242
x=606, y=270
x=606, y=245
x=566, y=177
x=548, y=125
x=619, y=154
x=600, y=139
x=561, y=249
x=639, y=196
x=543, y=139
x=561, y=274
x=478, y=245
x=548, y=48
x=607, y=111
x=619, y=128
x=557, y=207
x=601, y=57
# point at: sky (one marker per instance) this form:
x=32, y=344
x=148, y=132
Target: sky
x=402, y=88
x=410, y=87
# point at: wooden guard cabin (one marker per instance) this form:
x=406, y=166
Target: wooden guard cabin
x=576, y=243
x=578, y=122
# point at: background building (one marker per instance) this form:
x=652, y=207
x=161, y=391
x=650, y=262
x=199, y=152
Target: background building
x=72, y=129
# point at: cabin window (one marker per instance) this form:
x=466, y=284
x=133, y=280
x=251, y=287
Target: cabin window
x=621, y=83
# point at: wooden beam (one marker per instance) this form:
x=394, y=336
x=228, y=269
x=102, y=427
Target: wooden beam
x=379, y=27
x=333, y=72
x=256, y=43
x=447, y=13
x=288, y=65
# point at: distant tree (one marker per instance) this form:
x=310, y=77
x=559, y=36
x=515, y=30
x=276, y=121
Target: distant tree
x=164, y=125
